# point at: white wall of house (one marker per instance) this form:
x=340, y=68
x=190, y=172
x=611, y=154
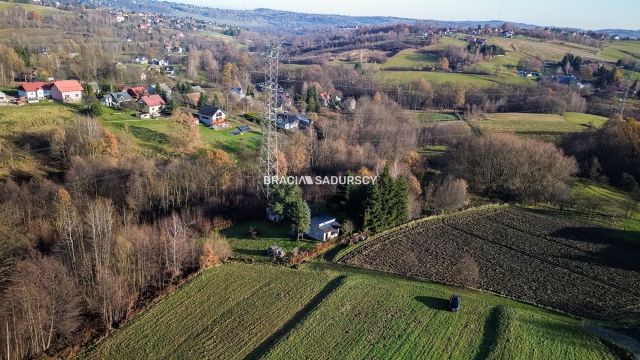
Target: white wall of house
x=32, y=95
x=153, y=110
x=66, y=96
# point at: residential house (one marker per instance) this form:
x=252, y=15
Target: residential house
x=136, y=92
x=197, y=88
x=32, y=91
x=324, y=228
x=287, y=121
x=276, y=251
x=119, y=98
x=169, y=70
x=152, y=105
x=155, y=68
x=212, y=116
x=192, y=99
x=67, y=91
x=237, y=92
x=3, y=98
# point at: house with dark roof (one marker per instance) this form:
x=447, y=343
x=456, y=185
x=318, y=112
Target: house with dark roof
x=324, y=228
x=116, y=99
x=152, y=105
x=67, y=91
x=212, y=116
x=287, y=121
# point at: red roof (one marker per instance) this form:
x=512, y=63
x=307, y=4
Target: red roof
x=136, y=91
x=32, y=86
x=68, y=85
x=153, y=100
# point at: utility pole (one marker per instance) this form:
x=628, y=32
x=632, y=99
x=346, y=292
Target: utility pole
x=269, y=149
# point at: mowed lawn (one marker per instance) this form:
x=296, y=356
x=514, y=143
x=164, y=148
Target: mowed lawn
x=543, y=126
x=224, y=313
x=262, y=311
x=381, y=317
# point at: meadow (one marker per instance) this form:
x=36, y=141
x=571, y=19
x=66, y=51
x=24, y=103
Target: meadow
x=388, y=76
x=267, y=234
x=549, y=127
x=261, y=311
x=225, y=312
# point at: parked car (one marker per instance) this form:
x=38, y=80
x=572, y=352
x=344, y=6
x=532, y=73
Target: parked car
x=454, y=303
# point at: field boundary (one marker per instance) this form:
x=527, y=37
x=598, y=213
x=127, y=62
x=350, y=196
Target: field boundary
x=349, y=249
x=298, y=317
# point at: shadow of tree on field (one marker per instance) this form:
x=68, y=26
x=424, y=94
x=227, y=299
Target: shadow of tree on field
x=490, y=332
x=149, y=135
x=433, y=302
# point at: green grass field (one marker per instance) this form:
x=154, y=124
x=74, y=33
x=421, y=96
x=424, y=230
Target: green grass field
x=153, y=137
x=428, y=117
x=261, y=311
x=225, y=313
x=605, y=199
x=269, y=234
x=615, y=50
x=449, y=77
x=410, y=59
x=585, y=119
x=543, y=126
x=43, y=115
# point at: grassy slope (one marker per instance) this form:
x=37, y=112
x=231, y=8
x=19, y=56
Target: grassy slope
x=444, y=77
x=388, y=309
x=228, y=311
x=544, y=126
x=224, y=313
x=610, y=199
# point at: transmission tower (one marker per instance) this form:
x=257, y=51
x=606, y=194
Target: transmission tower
x=269, y=149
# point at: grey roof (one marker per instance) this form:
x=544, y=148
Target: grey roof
x=197, y=88
x=315, y=221
x=121, y=96
x=208, y=111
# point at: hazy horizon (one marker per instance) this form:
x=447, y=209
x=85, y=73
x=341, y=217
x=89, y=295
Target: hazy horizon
x=571, y=13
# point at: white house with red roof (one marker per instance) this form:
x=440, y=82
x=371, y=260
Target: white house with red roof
x=67, y=91
x=152, y=104
x=32, y=91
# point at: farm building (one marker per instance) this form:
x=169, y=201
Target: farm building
x=211, y=116
x=67, y=91
x=3, y=97
x=152, y=104
x=276, y=251
x=324, y=228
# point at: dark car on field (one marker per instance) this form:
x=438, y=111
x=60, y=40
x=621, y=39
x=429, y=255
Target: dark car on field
x=454, y=303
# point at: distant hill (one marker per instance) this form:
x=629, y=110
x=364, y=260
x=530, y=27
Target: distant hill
x=289, y=21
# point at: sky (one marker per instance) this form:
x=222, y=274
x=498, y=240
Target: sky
x=585, y=14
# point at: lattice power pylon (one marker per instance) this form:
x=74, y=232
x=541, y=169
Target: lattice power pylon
x=269, y=149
